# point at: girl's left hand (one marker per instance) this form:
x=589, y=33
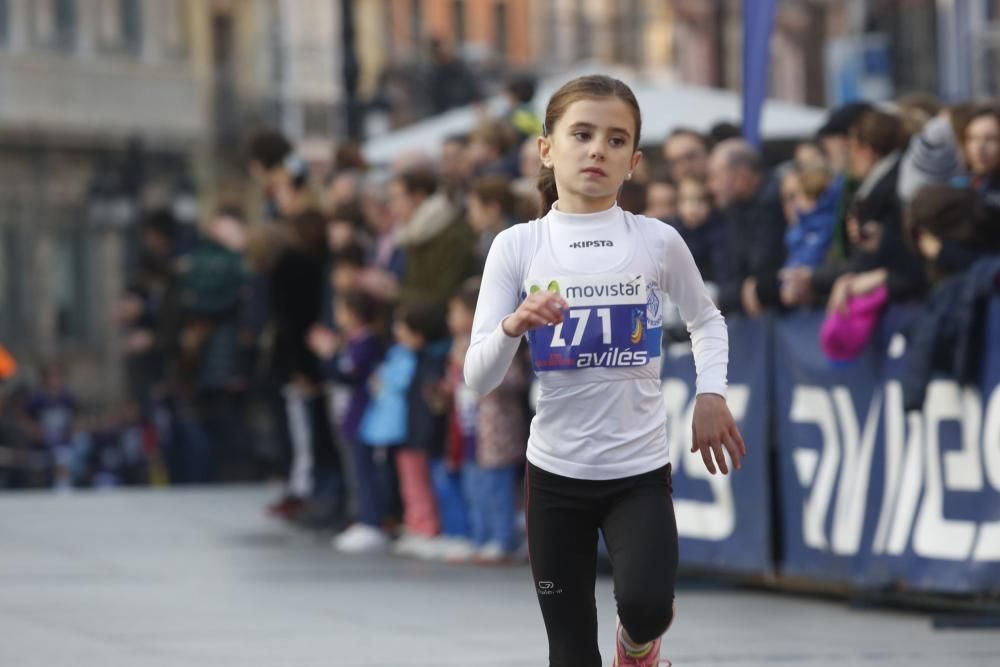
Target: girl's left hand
x=714, y=429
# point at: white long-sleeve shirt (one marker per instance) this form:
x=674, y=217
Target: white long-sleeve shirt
x=600, y=412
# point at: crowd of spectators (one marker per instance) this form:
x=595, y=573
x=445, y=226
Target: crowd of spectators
x=324, y=344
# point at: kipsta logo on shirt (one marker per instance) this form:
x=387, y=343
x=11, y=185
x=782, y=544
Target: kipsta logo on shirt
x=592, y=244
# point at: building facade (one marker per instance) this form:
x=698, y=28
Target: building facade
x=101, y=111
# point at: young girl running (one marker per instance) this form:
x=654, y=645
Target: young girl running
x=585, y=283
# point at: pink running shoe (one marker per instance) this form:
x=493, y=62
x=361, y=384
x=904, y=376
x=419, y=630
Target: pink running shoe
x=624, y=659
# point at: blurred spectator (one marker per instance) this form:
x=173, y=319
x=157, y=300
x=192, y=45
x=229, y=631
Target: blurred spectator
x=296, y=290
x=878, y=257
x=874, y=156
x=343, y=188
x=345, y=226
x=981, y=150
x=722, y=131
x=387, y=260
x=833, y=133
x=452, y=166
x=148, y=312
x=422, y=328
x=808, y=153
x=525, y=186
x=21, y=464
x=699, y=225
x=661, y=197
x=810, y=207
x=952, y=229
x=348, y=157
x=632, y=197
x=267, y=152
x=52, y=409
x=520, y=92
x=491, y=444
x=350, y=357
x=810, y=194
x=348, y=268
x=412, y=160
x=268, y=149
x=211, y=295
x=932, y=157
x=914, y=111
x=450, y=82
x=752, y=249
x=873, y=169
x=383, y=429
x=686, y=153
x=870, y=252
x=490, y=207
x=439, y=245
x=489, y=150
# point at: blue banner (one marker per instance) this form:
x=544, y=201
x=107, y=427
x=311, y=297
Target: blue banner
x=758, y=21
x=724, y=521
x=872, y=496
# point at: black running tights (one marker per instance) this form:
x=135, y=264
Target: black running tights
x=636, y=515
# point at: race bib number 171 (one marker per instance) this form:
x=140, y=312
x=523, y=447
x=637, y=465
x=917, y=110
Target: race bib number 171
x=606, y=325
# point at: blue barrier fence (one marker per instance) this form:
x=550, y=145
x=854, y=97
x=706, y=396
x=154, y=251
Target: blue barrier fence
x=863, y=493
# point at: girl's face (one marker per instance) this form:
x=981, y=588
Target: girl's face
x=982, y=145
x=591, y=150
x=693, y=206
x=459, y=318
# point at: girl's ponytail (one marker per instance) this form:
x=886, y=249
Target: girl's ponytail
x=547, y=190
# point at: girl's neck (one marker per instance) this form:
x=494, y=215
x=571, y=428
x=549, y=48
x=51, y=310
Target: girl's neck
x=574, y=203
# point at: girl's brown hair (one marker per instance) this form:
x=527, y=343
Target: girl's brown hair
x=585, y=87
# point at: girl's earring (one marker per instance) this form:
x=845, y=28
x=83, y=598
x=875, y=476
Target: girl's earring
x=629, y=176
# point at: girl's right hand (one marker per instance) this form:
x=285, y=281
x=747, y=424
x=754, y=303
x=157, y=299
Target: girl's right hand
x=538, y=310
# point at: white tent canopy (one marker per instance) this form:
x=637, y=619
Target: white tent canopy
x=665, y=106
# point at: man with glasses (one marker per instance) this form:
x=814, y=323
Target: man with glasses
x=686, y=153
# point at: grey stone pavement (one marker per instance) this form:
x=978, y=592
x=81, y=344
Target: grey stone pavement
x=169, y=578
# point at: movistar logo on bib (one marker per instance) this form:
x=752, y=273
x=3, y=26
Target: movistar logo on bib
x=606, y=325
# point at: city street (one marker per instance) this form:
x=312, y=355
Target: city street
x=167, y=578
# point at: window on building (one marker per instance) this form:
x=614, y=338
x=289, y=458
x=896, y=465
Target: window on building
x=416, y=24
x=8, y=274
x=53, y=23
x=120, y=25
x=4, y=27
x=175, y=27
x=582, y=34
x=70, y=285
x=500, y=18
x=66, y=24
x=458, y=20
x=131, y=14
x=628, y=32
